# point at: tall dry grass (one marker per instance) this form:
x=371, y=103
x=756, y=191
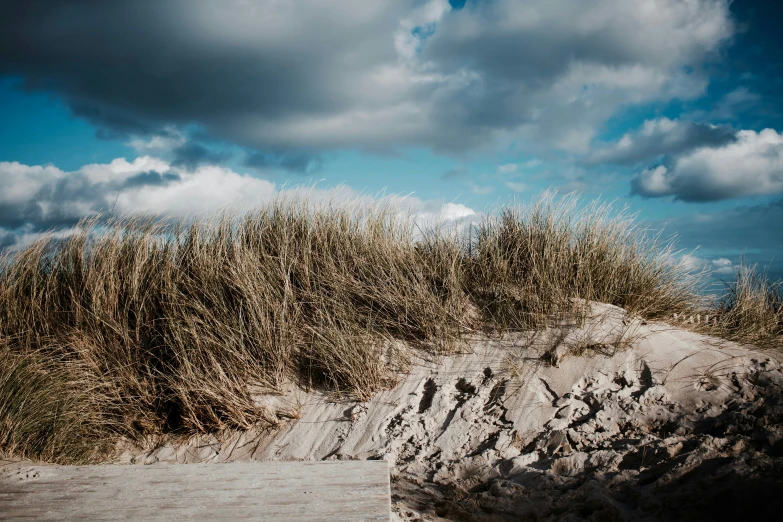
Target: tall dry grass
x=537, y=264
x=751, y=309
x=131, y=328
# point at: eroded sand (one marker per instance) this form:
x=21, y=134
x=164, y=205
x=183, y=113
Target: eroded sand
x=674, y=427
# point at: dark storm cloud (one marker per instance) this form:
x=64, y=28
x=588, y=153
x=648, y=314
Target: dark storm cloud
x=564, y=75
x=150, y=179
x=297, y=162
x=663, y=138
x=57, y=203
x=134, y=66
x=313, y=77
x=32, y=213
x=7, y=239
x=192, y=155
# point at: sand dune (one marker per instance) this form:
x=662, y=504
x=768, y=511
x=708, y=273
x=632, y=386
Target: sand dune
x=676, y=425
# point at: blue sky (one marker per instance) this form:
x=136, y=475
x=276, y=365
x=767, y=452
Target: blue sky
x=669, y=106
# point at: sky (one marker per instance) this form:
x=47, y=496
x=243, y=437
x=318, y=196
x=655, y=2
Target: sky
x=671, y=107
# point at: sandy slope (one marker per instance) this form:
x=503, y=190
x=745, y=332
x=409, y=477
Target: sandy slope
x=675, y=426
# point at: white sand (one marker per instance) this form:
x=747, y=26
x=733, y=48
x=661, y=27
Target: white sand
x=676, y=426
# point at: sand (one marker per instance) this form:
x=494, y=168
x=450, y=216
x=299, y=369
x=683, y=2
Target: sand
x=661, y=424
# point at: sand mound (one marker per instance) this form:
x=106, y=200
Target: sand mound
x=672, y=426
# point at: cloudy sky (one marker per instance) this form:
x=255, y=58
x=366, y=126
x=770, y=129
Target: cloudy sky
x=178, y=106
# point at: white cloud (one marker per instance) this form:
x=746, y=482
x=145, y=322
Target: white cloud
x=428, y=212
x=750, y=166
x=21, y=182
x=720, y=266
x=46, y=197
x=203, y=191
x=454, y=211
x=121, y=169
x=49, y=197
x=508, y=168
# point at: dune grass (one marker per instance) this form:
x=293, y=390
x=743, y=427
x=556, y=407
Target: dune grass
x=529, y=264
x=135, y=328
x=751, y=309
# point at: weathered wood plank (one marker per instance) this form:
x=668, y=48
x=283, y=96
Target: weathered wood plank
x=271, y=490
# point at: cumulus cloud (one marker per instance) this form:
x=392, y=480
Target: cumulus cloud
x=752, y=165
x=46, y=197
x=375, y=75
x=41, y=198
x=663, y=137
x=435, y=211
x=720, y=266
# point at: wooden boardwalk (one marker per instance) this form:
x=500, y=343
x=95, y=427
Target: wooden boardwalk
x=296, y=491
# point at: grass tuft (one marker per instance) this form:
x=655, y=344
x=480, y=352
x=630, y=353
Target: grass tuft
x=535, y=266
x=751, y=310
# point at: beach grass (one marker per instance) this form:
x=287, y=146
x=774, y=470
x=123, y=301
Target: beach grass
x=131, y=328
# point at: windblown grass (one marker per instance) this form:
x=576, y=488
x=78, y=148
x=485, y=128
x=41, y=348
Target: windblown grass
x=52, y=409
x=751, y=310
x=531, y=263
x=132, y=328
